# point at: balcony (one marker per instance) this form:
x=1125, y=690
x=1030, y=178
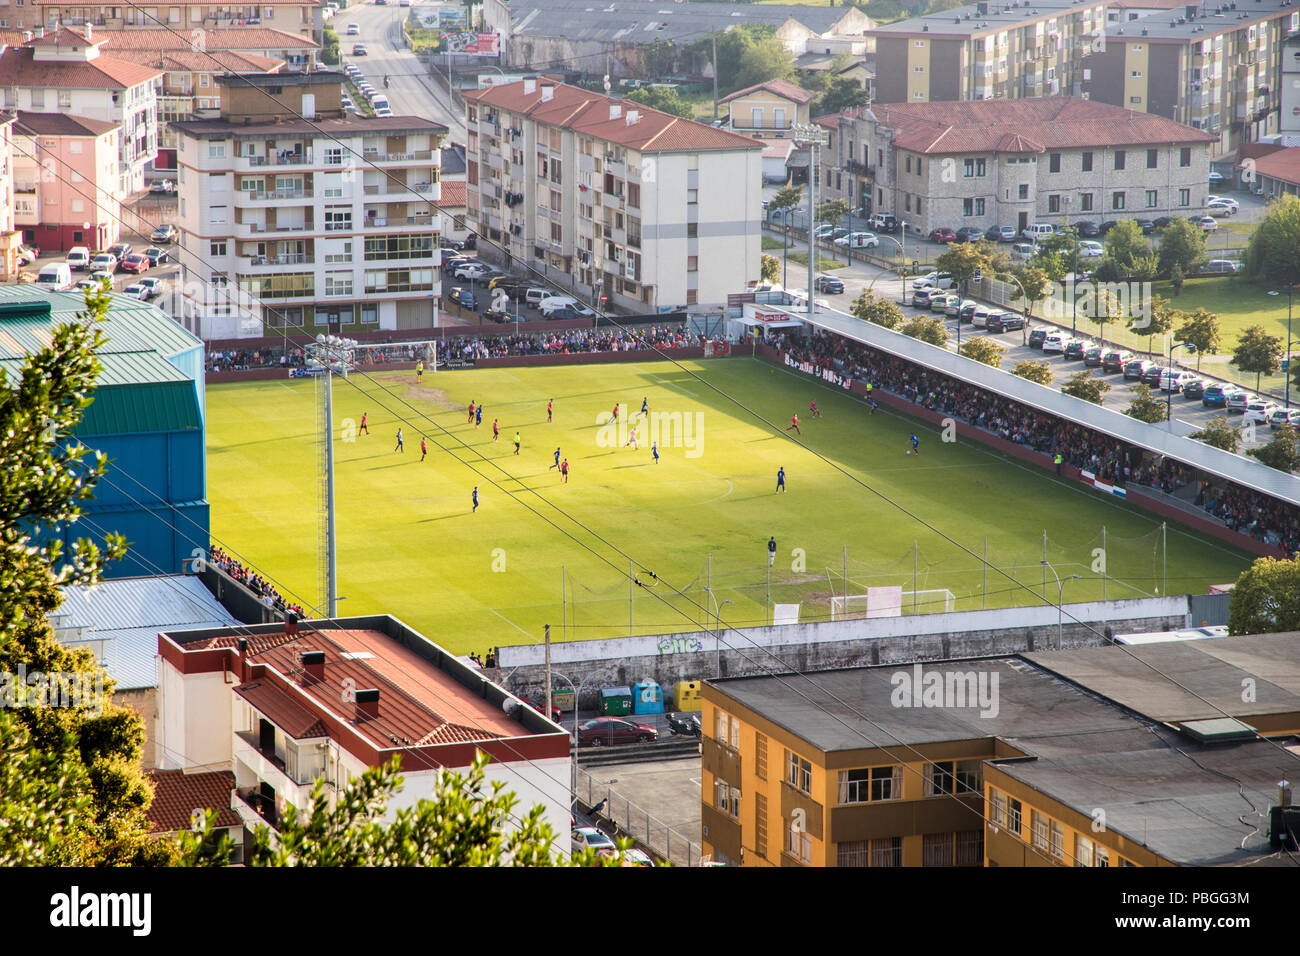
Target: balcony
x=280, y=158
x=246, y=229
x=269, y=262
x=251, y=801
x=274, y=195
x=720, y=760
x=762, y=124
x=417, y=156
x=860, y=169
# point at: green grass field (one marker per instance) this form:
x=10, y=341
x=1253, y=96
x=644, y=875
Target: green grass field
x=409, y=544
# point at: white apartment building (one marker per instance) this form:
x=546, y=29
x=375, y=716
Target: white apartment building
x=264, y=702
x=65, y=72
x=606, y=197
x=986, y=163
x=325, y=223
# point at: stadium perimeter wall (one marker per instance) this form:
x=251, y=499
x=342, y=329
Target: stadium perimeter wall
x=825, y=645
x=965, y=430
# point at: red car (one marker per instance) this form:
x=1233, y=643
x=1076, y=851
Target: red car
x=943, y=235
x=614, y=730
x=136, y=262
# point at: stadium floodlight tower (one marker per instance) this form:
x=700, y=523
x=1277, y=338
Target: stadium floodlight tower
x=812, y=137
x=329, y=354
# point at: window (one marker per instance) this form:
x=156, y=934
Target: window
x=1120, y=158
x=1054, y=163
x=1057, y=841
x=1015, y=819
x=216, y=150
x=1100, y=856
x=338, y=283
x=854, y=853
x=65, y=100
x=1040, y=826
x=1117, y=200
x=720, y=726
x=1153, y=198
x=338, y=218
x=936, y=849
x=970, y=848
x=798, y=772
x=78, y=205
x=692, y=230
x=1135, y=99
x=1153, y=158
x=948, y=777
x=909, y=163
x=998, y=807
x=1085, y=202
x=692, y=263
x=1087, y=161
x=634, y=195
x=1082, y=851
x=38, y=99
x=887, y=851
x=869, y=784
x=1184, y=197
x=1053, y=203
x=798, y=843
x=334, y=156
x=692, y=197
x=760, y=825
x=556, y=202
x=972, y=207
x=217, y=215
x=1023, y=191
x=760, y=748
x=1185, y=157
x=369, y=313
x=973, y=167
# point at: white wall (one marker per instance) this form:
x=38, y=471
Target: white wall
x=194, y=715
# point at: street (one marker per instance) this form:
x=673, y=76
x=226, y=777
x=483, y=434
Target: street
x=411, y=91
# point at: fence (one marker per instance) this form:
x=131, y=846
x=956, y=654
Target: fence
x=633, y=821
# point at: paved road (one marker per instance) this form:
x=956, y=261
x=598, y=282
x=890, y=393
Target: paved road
x=411, y=91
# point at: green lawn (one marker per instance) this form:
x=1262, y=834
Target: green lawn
x=824, y=264
x=409, y=544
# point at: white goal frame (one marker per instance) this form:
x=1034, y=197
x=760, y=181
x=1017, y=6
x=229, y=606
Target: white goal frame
x=850, y=606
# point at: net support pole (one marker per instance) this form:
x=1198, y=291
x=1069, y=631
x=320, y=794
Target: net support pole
x=845, y=559
x=1044, y=565
x=1164, y=555
x=915, y=549
x=984, y=588
x=1103, y=562
x=631, y=578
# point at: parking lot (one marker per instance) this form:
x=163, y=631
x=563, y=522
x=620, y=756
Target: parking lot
x=502, y=304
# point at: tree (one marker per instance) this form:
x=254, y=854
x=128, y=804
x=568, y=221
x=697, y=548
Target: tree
x=1281, y=451
x=1219, y=432
x=733, y=70
x=832, y=210
x=963, y=258
x=1083, y=385
x=329, y=53
x=841, y=93
x=1201, y=330
x=787, y=197
x=766, y=59
x=465, y=823
x=876, y=311
x=1034, y=283
x=1258, y=352
x=1266, y=598
x=1124, y=244
x=666, y=100
x=983, y=349
x=1157, y=319
x=1145, y=407
x=41, y=796
x=939, y=6
x=1040, y=372
x=1273, y=250
x=1182, y=245
x=1176, y=278
x=770, y=270
x=927, y=328
x=93, y=745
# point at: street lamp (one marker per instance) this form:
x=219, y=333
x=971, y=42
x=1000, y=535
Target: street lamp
x=577, y=695
x=1289, y=290
x=1024, y=329
x=902, y=262
x=1059, y=587
x=717, y=620
x=1169, y=393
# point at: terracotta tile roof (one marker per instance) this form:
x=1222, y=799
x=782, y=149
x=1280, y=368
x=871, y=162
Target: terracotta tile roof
x=177, y=794
x=63, y=36
x=238, y=38
x=453, y=194
x=782, y=88
x=19, y=68
x=777, y=148
x=282, y=710
x=1283, y=164
x=586, y=112
x=1025, y=125
x=61, y=124
x=209, y=61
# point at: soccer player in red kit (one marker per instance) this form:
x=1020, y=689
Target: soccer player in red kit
x=794, y=423
x=424, y=448
x=496, y=429
x=812, y=409
x=471, y=411
x=364, y=427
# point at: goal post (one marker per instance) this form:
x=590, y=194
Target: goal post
x=900, y=602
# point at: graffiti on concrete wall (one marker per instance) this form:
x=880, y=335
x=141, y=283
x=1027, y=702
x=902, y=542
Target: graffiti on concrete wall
x=680, y=645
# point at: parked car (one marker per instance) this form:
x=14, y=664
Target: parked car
x=1284, y=416
x=883, y=222
x=1259, y=410
x=1221, y=266
x=1056, y=342
x=921, y=297
x=354, y=29
x=831, y=284
x=136, y=291
x=79, y=258
x=1001, y=234
x=614, y=730
x=1216, y=395
x=1153, y=375
x=55, y=277
x=1162, y=221
x=1148, y=226
x=1208, y=223
x=104, y=262
x=1217, y=209
x=1023, y=250
x=823, y=231
x=1005, y=322
x=119, y=251
x=358, y=49
x=1036, y=337
x=1037, y=230
x=941, y=302
x=100, y=276
x=152, y=285
x=858, y=240
x=934, y=280
x=943, y=235
x=566, y=312
x=553, y=302
x=1091, y=249
x=953, y=309
x=970, y=234
x=1134, y=369
x=462, y=297
x=980, y=319
x=83, y=284
x=1092, y=357
x=1175, y=379
x=1238, y=401
x=1227, y=202
x=497, y=315
x=136, y=263
x=1194, y=388
x=589, y=838
x=471, y=270
x=1114, y=360
x=1216, y=178
x=1086, y=229
x=162, y=187
x=966, y=311
x=157, y=256
x=1075, y=351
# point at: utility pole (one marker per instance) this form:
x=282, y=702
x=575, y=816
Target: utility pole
x=548, y=672
x=715, y=79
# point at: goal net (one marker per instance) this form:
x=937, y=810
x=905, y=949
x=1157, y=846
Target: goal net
x=891, y=602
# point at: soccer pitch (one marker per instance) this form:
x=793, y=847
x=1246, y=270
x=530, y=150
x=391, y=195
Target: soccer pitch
x=410, y=545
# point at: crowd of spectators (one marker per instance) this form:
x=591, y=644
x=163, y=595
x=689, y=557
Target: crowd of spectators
x=263, y=588
x=1109, y=459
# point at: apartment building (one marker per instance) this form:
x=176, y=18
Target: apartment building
x=1015, y=162
x=284, y=706
x=67, y=191
x=325, y=222
x=10, y=234
x=66, y=71
x=609, y=198
x=1003, y=761
x=768, y=109
x=988, y=50
x=294, y=16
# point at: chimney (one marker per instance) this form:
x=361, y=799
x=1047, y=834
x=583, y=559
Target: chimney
x=291, y=624
x=27, y=36
x=982, y=9
x=1284, y=793
x=40, y=32
x=313, y=665
x=242, y=668
x=367, y=704
x=633, y=116
x=615, y=110
x=530, y=85
x=90, y=32
x=548, y=92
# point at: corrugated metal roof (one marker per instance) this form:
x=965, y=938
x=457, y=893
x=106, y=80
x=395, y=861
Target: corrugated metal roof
x=158, y=407
x=128, y=613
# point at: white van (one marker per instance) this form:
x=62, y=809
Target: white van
x=79, y=258
x=56, y=277
x=553, y=302
x=1037, y=230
